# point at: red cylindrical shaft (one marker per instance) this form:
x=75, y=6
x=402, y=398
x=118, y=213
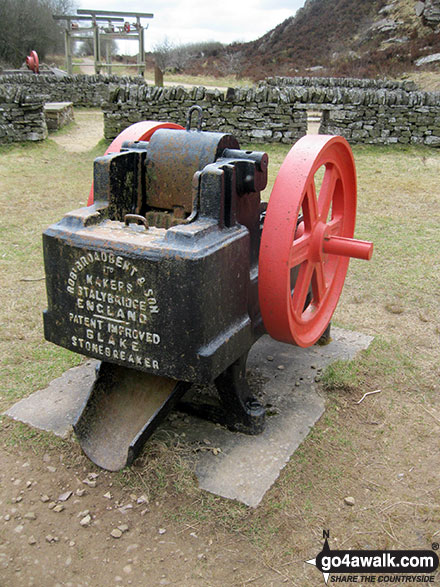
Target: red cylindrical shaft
x=348, y=247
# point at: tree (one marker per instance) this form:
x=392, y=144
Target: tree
x=163, y=54
x=170, y=57
x=27, y=25
x=232, y=63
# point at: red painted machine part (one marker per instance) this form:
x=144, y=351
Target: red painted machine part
x=32, y=62
x=307, y=239
x=140, y=131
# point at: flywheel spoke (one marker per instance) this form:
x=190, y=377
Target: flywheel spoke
x=319, y=286
x=301, y=288
x=327, y=191
x=335, y=226
x=299, y=251
x=310, y=207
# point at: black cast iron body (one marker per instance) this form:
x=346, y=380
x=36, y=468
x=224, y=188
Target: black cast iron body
x=177, y=295
x=182, y=301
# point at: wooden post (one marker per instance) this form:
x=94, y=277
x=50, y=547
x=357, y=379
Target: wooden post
x=141, y=62
x=96, y=47
x=68, y=49
x=108, y=57
x=158, y=76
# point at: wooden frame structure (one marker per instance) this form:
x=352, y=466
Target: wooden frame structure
x=127, y=31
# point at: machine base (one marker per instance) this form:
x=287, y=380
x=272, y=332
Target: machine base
x=243, y=467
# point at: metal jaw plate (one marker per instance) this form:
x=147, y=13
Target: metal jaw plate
x=122, y=410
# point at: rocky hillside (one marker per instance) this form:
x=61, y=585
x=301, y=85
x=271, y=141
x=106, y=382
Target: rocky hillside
x=339, y=37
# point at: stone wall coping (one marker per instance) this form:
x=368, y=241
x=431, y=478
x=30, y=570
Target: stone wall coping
x=57, y=106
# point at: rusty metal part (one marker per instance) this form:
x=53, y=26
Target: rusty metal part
x=172, y=160
x=136, y=218
x=165, y=219
x=118, y=183
x=191, y=111
x=140, y=131
x=122, y=410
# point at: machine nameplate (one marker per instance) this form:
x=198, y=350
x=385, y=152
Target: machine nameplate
x=112, y=309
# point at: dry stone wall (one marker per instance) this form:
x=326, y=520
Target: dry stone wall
x=372, y=113
x=258, y=115
x=21, y=116
x=340, y=82
x=23, y=95
x=363, y=111
x=385, y=124
x=82, y=90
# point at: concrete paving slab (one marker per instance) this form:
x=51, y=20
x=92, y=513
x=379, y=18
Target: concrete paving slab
x=57, y=407
x=246, y=466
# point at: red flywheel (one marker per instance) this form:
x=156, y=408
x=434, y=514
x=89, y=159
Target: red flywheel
x=139, y=131
x=32, y=62
x=307, y=239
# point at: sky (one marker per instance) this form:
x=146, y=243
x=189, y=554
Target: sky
x=188, y=21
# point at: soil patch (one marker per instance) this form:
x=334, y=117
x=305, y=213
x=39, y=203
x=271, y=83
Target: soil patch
x=83, y=134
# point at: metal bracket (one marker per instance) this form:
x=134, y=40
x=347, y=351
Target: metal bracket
x=136, y=218
x=193, y=109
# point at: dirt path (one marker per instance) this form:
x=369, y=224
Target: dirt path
x=87, y=66
x=82, y=136
x=73, y=526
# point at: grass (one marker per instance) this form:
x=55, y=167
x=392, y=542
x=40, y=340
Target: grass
x=427, y=79
x=202, y=80
x=398, y=209
x=382, y=356
x=356, y=450
x=22, y=436
x=41, y=188
x=160, y=470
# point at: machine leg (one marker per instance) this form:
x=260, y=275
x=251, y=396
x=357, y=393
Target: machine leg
x=326, y=336
x=243, y=412
x=238, y=409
